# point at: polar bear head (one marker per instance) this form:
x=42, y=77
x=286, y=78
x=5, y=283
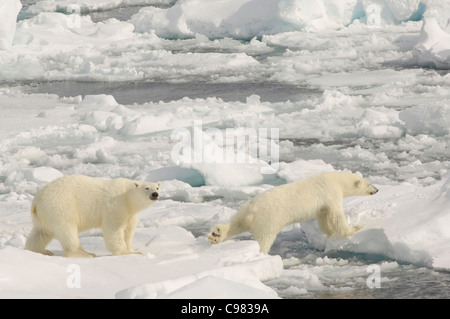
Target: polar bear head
x=363, y=186
x=148, y=191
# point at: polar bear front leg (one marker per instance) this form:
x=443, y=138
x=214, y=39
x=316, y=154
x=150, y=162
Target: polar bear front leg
x=129, y=234
x=38, y=240
x=115, y=240
x=68, y=237
x=265, y=239
x=338, y=221
x=323, y=220
x=238, y=224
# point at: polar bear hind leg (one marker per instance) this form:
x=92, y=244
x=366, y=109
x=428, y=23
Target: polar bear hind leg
x=265, y=239
x=239, y=224
x=218, y=233
x=38, y=240
x=68, y=237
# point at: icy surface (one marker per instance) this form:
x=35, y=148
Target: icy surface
x=367, y=102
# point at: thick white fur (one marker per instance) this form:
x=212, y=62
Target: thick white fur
x=76, y=203
x=320, y=196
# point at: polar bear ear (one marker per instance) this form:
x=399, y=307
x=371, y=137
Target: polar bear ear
x=136, y=184
x=358, y=183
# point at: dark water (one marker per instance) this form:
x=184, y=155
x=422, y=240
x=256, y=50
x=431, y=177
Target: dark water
x=141, y=92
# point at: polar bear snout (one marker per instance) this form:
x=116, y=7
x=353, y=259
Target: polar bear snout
x=151, y=190
x=373, y=191
x=154, y=196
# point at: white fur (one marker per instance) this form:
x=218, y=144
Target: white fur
x=320, y=196
x=76, y=203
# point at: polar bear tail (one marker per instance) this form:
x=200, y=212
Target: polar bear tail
x=33, y=210
x=34, y=214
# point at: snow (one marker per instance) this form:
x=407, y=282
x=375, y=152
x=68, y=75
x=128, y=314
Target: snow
x=361, y=107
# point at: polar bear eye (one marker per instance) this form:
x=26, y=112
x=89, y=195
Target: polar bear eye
x=147, y=188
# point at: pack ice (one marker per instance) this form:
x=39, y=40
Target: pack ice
x=359, y=114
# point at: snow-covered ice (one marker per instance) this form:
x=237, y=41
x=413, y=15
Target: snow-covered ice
x=372, y=98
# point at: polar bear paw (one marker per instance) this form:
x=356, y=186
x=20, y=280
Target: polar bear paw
x=78, y=254
x=47, y=253
x=134, y=252
x=353, y=230
x=216, y=235
x=357, y=227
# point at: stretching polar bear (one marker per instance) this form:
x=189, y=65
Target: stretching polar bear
x=77, y=203
x=319, y=196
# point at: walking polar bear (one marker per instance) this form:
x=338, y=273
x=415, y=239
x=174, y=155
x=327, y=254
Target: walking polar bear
x=76, y=203
x=320, y=196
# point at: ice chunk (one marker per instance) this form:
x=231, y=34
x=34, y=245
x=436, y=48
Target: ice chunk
x=302, y=169
x=243, y=19
x=42, y=175
x=237, y=18
x=434, y=119
x=235, y=267
x=433, y=46
x=392, y=11
x=9, y=9
x=228, y=289
x=380, y=123
x=188, y=175
x=101, y=102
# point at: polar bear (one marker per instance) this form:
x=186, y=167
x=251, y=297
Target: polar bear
x=76, y=203
x=320, y=196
